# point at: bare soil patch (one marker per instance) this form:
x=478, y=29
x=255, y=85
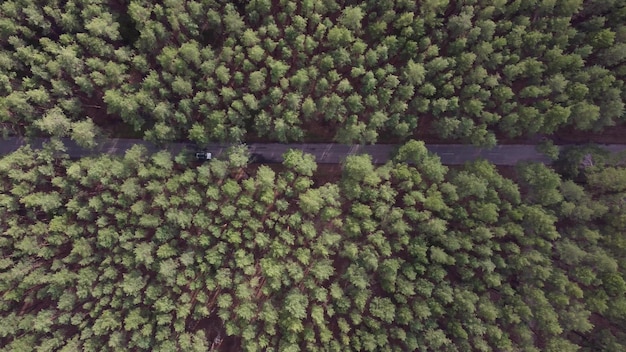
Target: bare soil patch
x=327, y=173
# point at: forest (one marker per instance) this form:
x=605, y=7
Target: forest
x=281, y=70
x=146, y=252
x=159, y=252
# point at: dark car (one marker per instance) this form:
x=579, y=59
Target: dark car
x=203, y=156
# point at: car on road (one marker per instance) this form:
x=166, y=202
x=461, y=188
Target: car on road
x=204, y=156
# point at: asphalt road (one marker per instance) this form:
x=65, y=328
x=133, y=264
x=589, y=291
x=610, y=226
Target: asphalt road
x=453, y=154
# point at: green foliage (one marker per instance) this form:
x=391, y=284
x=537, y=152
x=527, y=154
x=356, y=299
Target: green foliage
x=272, y=261
x=84, y=133
x=140, y=253
x=574, y=159
x=549, y=149
x=303, y=164
x=54, y=123
x=217, y=72
x=238, y=156
x=543, y=183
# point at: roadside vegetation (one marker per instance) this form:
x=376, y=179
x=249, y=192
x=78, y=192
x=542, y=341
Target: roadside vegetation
x=145, y=253
x=292, y=70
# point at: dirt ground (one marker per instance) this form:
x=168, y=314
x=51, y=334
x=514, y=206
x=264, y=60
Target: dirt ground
x=327, y=173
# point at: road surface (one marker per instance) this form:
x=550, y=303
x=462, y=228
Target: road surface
x=453, y=154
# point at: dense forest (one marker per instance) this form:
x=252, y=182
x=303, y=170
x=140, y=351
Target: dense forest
x=157, y=252
x=285, y=70
x=151, y=253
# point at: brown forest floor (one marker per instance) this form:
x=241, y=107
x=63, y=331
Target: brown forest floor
x=610, y=135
